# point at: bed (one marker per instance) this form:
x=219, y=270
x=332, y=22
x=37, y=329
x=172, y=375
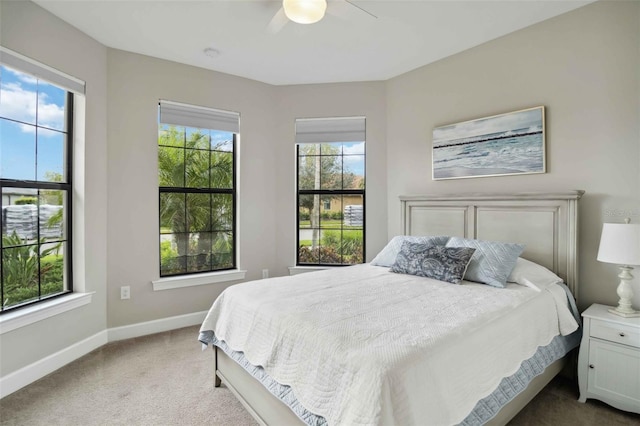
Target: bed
x=312, y=349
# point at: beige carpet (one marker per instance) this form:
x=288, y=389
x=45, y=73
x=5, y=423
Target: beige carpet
x=165, y=379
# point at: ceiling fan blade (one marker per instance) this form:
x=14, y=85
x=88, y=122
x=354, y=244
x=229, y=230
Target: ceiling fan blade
x=278, y=22
x=345, y=9
x=361, y=8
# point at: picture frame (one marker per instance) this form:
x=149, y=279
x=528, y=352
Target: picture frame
x=506, y=144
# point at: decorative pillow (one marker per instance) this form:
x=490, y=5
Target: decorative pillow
x=437, y=262
x=530, y=274
x=492, y=262
x=387, y=256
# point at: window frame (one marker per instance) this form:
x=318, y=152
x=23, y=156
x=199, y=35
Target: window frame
x=67, y=187
x=166, y=280
x=330, y=192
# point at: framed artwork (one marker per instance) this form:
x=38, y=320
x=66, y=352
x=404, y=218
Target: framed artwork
x=500, y=145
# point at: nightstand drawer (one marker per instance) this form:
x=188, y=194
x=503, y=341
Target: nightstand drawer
x=613, y=332
x=609, y=360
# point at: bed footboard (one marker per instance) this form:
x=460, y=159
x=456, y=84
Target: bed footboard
x=259, y=402
x=269, y=410
x=217, y=381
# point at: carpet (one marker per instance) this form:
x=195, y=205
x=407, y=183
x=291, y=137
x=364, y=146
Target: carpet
x=165, y=379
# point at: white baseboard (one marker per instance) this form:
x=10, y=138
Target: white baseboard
x=29, y=374
x=155, y=326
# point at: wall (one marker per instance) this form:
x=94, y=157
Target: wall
x=267, y=173
x=584, y=67
x=136, y=83
x=125, y=173
x=33, y=32
x=331, y=100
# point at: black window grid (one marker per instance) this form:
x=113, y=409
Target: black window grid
x=65, y=186
x=329, y=193
x=201, y=190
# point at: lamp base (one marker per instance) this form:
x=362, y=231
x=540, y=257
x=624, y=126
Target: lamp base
x=625, y=293
x=625, y=314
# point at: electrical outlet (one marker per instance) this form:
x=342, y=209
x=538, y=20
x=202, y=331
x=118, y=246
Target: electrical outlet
x=125, y=292
x=265, y=273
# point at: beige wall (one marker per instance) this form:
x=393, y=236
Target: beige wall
x=136, y=83
x=331, y=100
x=584, y=66
x=31, y=31
x=266, y=218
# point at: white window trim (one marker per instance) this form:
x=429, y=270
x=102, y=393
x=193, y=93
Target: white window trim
x=44, y=72
x=187, y=115
x=40, y=311
x=168, y=283
x=43, y=309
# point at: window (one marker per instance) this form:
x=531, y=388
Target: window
x=331, y=175
x=36, y=140
x=197, y=181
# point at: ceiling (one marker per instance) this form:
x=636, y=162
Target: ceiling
x=347, y=45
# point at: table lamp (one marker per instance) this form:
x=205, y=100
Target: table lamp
x=620, y=244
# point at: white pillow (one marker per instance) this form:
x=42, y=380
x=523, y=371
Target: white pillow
x=530, y=274
x=492, y=261
x=387, y=257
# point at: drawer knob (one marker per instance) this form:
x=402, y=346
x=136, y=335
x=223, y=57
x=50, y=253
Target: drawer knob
x=591, y=366
x=621, y=334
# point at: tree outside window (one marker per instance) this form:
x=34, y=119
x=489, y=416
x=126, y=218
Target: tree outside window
x=196, y=169
x=36, y=122
x=331, y=175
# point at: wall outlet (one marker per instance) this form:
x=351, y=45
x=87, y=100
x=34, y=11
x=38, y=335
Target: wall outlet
x=265, y=273
x=125, y=292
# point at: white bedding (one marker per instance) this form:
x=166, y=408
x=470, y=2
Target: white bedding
x=362, y=345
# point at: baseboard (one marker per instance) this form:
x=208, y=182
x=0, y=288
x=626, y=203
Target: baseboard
x=29, y=374
x=155, y=326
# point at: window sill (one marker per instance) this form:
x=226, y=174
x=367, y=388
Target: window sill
x=295, y=270
x=169, y=283
x=41, y=311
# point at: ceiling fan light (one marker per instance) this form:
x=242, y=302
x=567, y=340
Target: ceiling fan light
x=304, y=11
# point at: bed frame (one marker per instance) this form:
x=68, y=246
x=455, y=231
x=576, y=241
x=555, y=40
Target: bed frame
x=547, y=223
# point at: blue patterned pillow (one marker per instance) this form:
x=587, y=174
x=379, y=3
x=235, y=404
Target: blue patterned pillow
x=492, y=262
x=437, y=262
x=389, y=253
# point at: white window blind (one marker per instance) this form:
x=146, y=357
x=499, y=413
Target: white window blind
x=199, y=117
x=22, y=63
x=338, y=129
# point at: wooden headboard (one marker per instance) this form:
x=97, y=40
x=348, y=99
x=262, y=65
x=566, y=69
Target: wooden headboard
x=546, y=223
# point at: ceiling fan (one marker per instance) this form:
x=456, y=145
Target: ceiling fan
x=307, y=12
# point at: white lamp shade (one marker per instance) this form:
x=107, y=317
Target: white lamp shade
x=304, y=11
x=620, y=244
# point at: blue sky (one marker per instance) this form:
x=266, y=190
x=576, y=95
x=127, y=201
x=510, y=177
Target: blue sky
x=352, y=161
x=34, y=143
x=353, y=154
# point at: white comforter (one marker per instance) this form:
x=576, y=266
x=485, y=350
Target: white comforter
x=362, y=345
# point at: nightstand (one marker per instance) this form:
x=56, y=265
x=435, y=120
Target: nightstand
x=609, y=360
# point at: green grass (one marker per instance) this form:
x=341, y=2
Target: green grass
x=324, y=223
x=347, y=234
x=328, y=224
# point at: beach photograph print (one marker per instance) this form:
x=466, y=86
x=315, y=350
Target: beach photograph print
x=505, y=144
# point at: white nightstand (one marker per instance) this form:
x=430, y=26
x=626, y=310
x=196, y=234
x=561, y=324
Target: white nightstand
x=609, y=360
